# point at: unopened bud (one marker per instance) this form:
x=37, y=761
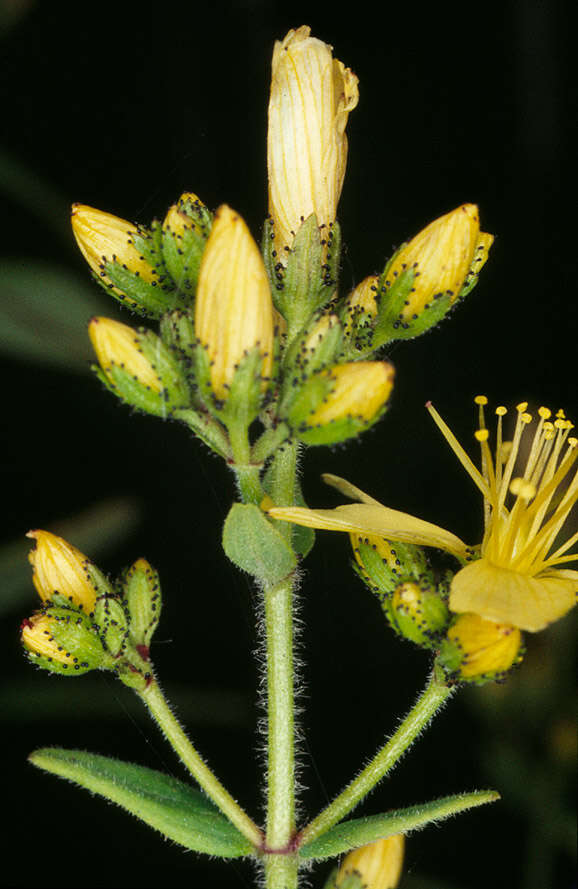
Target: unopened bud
x=138, y=367
x=65, y=641
x=477, y=650
x=430, y=273
x=185, y=231
x=125, y=259
x=142, y=595
x=63, y=575
x=341, y=402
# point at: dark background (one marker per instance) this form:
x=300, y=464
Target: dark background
x=123, y=106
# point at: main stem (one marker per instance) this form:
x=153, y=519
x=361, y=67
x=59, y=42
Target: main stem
x=432, y=698
x=167, y=722
x=281, y=866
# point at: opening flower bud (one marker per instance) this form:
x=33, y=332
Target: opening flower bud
x=312, y=95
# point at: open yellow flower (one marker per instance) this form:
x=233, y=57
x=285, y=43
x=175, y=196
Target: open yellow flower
x=311, y=97
x=517, y=579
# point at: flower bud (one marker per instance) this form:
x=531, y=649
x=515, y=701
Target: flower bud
x=62, y=574
x=138, y=367
x=142, y=595
x=64, y=641
x=375, y=866
x=233, y=311
x=185, y=231
x=477, y=650
x=383, y=564
x=341, y=402
x=311, y=97
x=359, y=314
x=418, y=612
x=124, y=259
x=428, y=275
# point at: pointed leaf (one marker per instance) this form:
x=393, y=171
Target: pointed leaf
x=352, y=834
x=178, y=811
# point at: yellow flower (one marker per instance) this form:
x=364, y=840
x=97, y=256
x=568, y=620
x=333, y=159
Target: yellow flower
x=441, y=255
x=233, y=310
x=58, y=567
x=378, y=864
x=118, y=345
x=311, y=97
x=104, y=238
x=517, y=579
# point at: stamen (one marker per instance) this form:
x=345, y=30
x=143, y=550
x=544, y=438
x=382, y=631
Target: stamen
x=458, y=450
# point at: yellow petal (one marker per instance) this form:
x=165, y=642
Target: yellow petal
x=348, y=489
x=372, y=519
x=234, y=310
x=496, y=594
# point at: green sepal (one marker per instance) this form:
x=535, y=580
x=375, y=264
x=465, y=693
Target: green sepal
x=133, y=393
x=246, y=394
x=142, y=596
x=175, y=809
x=253, y=544
x=183, y=252
x=148, y=299
x=392, y=297
x=308, y=280
x=111, y=620
x=208, y=429
x=352, y=834
x=301, y=362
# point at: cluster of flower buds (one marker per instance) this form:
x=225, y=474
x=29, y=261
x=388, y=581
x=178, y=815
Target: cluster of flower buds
x=86, y=622
x=244, y=334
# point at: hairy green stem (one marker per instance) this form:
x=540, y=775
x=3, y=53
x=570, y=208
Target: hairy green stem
x=281, y=869
x=159, y=709
x=433, y=697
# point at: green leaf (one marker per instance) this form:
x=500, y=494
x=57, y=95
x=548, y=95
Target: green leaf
x=255, y=546
x=178, y=811
x=352, y=834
